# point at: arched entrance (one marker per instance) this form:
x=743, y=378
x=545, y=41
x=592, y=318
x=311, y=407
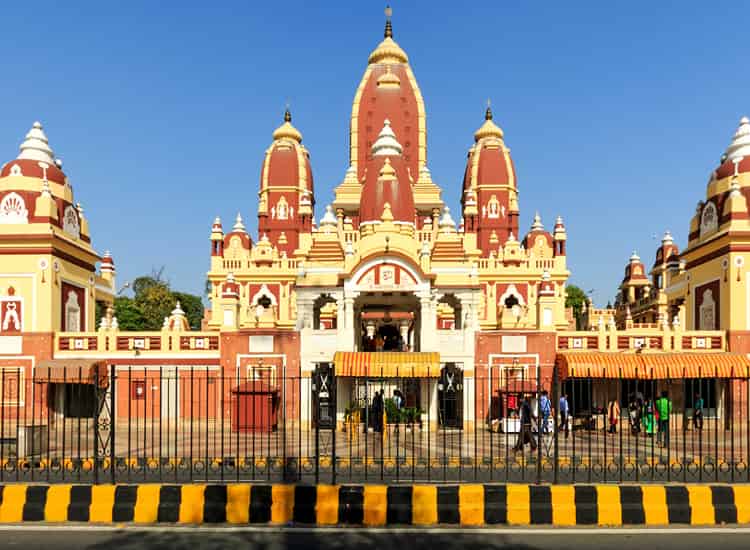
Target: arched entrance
x=387, y=310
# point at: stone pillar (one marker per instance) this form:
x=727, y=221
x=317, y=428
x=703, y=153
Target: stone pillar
x=346, y=331
x=427, y=326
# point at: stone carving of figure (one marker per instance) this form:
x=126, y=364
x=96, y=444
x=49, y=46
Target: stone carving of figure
x=11, y=316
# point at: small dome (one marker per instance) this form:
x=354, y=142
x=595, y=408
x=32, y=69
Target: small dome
x=329, y=219
x=634, y=257
x=388, y=52
x=238, y=225
x=389, y=79
x=488, y=128
x=667, y=238
x=537, y=225
x=740, y=145
x=386, y=145
x=446, y=223
x=286, y=130
x=36, y=146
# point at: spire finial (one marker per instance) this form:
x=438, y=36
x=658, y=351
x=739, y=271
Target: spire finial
x=388, y=28
x=488, y=112
x=287, y=113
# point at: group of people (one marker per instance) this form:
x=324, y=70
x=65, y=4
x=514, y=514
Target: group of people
x=381, y=342
x=651, y=416
x=527, y=416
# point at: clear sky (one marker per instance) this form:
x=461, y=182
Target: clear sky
x=615, y=113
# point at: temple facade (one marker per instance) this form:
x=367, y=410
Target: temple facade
x=384, y=289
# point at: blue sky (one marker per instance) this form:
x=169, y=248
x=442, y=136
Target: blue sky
x=615, y=113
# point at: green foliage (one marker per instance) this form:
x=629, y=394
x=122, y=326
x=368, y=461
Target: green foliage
x=129, y=316
x=405, y=415
x=575, y=298
x=153, y=301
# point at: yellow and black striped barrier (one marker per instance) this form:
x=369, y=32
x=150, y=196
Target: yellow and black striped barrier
x=379, y=505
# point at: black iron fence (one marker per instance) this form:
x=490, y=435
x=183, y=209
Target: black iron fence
x=133, y=424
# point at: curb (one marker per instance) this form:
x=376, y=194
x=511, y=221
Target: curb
x=378, y=505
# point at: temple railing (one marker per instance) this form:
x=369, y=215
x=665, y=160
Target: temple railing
x=643, y=338
x=140, y=343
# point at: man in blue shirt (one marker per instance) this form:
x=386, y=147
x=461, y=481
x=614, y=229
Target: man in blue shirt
x=545, y=410
x=563, y=408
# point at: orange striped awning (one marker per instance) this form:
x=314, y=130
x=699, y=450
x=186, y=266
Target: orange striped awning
x=653, y=365
x=387, y=364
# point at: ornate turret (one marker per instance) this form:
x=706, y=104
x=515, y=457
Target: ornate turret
x=37, y=205
x=388, y=91
x=490, y=186
x=286, y=198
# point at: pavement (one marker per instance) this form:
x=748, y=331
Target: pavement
x=200, y=538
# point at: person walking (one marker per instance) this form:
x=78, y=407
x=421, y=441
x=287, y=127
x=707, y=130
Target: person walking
x=525, y=434
x=613, y=412
x=564, y=414
x=663, y=409
x=377, y=411
x=545, y=409
x=698, y=412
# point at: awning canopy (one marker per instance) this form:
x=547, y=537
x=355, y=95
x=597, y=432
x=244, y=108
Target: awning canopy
x=387, y=364
x=71, y=371
x=653, y=365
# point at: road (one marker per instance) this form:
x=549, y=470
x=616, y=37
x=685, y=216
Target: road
x=195, y=538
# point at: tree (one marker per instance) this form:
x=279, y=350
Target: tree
x=129, y=316
x=154, y=300
x=575, y=298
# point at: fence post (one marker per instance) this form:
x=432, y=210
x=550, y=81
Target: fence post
x=112, y=422
x=539, y=428
x=97, y=436
x=557, y=420
x=335, y=388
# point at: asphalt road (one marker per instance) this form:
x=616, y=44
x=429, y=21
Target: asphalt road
x=69, y=537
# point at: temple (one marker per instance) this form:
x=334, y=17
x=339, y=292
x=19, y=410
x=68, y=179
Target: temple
x=384, y=288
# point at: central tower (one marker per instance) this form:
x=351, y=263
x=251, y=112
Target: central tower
x=388, y=92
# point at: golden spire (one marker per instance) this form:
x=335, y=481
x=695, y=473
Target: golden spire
x=489, y=128
x=286, y=130
x=388, y=51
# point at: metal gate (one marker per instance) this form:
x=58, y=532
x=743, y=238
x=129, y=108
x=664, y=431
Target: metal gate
x=451, y=396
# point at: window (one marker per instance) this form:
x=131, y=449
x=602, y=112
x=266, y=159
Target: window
x=511, y=301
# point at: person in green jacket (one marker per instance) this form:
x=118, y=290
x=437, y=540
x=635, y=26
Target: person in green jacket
x=664, y=409
x=648, y=418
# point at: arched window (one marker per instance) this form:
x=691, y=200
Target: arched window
x=449, y=303
x=325, y=312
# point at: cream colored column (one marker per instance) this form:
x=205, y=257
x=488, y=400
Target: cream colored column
x=427, y=327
